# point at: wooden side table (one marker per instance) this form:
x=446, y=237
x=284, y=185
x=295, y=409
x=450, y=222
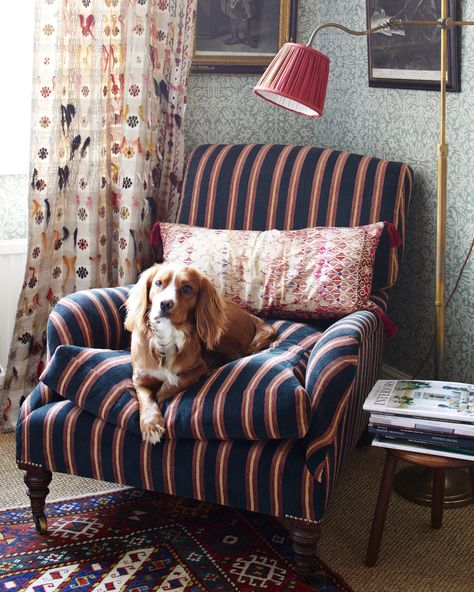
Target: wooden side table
x=438, y=463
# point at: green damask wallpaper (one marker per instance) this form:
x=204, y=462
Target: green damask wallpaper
x=394, y=124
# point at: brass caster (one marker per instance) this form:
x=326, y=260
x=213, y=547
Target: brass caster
x=41, y=524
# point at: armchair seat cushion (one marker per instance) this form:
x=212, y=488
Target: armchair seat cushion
x=258, y=397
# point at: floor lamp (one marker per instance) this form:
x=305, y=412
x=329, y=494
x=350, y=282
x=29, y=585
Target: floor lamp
x=297, y=80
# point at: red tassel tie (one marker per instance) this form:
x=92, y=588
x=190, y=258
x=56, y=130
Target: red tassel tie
x=395, y=238
x=155, y=236
x=389, y=326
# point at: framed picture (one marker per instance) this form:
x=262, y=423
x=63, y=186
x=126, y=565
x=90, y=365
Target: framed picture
x=241, y=36
x=410, y=57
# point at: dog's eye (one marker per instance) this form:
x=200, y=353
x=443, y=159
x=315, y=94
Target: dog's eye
x=158, y=283
x=187, y=289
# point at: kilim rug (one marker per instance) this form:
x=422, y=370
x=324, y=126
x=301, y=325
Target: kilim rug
x=135, y=541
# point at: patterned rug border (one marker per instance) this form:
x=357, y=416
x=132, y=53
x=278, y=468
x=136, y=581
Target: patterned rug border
x=53, y=507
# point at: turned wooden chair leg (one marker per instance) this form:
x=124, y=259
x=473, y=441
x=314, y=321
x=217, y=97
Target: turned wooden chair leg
x=37, y=480
x=305, y=537
x=381, y=509
x=438, y=498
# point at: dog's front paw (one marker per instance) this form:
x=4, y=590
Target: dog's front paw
x=152, y=426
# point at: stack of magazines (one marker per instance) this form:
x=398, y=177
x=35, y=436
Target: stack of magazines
x=426, y=416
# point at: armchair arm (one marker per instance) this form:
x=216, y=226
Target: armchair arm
x=342, y=368
x=91, y=318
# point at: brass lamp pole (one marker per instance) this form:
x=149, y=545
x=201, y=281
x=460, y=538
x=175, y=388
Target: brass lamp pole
x=443, y=23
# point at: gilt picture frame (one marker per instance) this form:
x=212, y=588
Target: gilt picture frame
x=241, y=36
x=410, y=58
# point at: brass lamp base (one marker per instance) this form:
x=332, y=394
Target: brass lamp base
x=416, y=485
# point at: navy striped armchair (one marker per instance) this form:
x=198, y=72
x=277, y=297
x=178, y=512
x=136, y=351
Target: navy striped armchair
x=268, y=433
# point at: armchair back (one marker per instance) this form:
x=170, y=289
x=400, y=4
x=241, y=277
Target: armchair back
x=266, y=186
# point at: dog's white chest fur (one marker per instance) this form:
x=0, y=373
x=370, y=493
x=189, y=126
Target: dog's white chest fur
x=168, y=341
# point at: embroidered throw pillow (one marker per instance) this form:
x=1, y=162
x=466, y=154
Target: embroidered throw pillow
x=323, y=272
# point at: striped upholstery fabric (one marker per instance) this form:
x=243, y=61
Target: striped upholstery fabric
x=91, y=318
x=220, y=447
x=268, y=476
x=258, y=187
x=259, y=397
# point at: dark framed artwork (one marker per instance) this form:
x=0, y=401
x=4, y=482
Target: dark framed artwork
x=410, y=58
x=241, y=36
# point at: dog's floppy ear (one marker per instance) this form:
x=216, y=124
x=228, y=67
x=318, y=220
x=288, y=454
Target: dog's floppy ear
x=210, y=315
x=138, y=302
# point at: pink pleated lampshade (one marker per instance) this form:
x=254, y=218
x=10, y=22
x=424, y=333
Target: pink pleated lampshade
x=296, y=80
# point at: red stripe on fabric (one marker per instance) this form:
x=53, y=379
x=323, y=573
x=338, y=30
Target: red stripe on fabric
x=197, y=184
x=117, y=455
x=378, y=191
x=72, y=367
x=199, y=453
x=251, y=475
x=246, y=415
x=218, y=419
x=293, y=187
x=334, y=193
x=61, y=328
x=81, y=320
x=103, y=316
x=171, y=415
x=235, y=183
x=331, y=344
x=359, y=190
x=169, y=454
x=213, y=179
x=329, y=436
x=276, y=477
x=126, y=414
x=116, y=313
x=198, y=405
x=222, y=467
x=307, y=495
x=301, y=413
x=327, y=374
x=110, y=398
x=25, y=437
x=48, y=424
x=146, y=475
x=252, y=186
x=69, y=430
x=274, y=192
x=97, y=372
x=95, y=449
x=271, y=402
x=316, y=188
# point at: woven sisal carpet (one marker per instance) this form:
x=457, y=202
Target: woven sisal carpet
x=412, y=558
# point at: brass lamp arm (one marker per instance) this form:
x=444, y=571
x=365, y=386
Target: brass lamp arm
x=442, y=23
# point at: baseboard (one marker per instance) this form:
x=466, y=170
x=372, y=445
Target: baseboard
x=391, y=373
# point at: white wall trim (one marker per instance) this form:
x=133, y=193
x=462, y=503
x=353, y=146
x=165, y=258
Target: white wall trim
x=14, y=246
x=391, y=373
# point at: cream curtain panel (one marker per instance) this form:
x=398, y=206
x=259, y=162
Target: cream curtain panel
x=107, y=151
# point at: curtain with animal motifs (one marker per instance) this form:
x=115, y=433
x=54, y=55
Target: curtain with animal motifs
x=107, y=152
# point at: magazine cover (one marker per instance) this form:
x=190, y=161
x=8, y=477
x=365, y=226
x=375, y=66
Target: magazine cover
x=423, y=398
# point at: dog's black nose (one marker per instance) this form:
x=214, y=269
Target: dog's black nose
x=166, y=305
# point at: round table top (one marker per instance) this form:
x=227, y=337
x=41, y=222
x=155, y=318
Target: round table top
x=431, y=460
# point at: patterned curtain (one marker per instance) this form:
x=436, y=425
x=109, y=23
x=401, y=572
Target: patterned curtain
x=107, y=151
